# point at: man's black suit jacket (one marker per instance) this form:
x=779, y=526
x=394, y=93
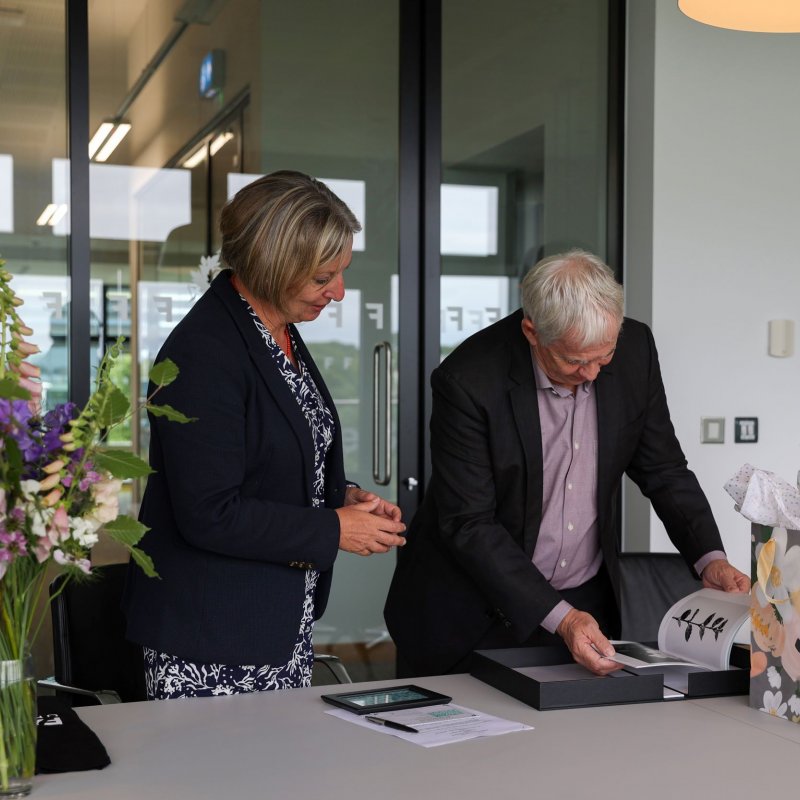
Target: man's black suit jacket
x=229, y=505
x=467, y=562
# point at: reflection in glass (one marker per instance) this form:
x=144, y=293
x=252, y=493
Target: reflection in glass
x=524, y=89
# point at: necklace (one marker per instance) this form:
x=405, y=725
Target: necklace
x=288, y=342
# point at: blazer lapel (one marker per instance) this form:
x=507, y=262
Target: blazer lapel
x=607, y=425
x=525, y=407
x=265, y=367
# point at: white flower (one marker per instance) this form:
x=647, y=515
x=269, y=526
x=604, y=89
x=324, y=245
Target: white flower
x=208, y=270
x=774, y=678
x=29, y=488
x=773, y=704
x=64, y=559
x=40, y=519
x=105, y=495
x=794, y=704
x=84, y=531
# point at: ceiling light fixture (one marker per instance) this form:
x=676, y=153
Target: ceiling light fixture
x=107, y=138
x=220, y=142
x=52, y=215
x=760, y=16
x=195, y=158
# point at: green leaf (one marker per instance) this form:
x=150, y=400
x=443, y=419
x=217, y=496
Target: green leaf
x=145, y=562
x=125, y=530
x=11, y=390
x=115, y=407
x=170, y=413
x=121, y=464
x=164, y=372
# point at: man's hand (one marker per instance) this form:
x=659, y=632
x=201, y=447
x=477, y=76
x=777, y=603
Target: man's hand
x=720, y=574
x=586, y=642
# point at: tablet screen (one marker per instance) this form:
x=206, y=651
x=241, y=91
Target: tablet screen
x=389, y=699
x=381, y=698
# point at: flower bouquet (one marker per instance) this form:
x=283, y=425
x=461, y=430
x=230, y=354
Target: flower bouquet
x=59, y=486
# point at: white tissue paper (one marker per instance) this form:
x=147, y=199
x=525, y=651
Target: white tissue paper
x=764, y=498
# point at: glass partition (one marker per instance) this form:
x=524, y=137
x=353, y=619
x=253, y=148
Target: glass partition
x=524, y=148
x=236, y=89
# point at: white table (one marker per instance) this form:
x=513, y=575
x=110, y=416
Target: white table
x=281, y=745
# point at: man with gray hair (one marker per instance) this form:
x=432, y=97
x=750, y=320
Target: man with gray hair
x=535, y=420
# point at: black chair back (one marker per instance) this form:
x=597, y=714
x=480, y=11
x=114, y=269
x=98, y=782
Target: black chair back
x=89, y=646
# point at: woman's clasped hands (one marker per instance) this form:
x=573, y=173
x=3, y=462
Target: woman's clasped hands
x=369, y=524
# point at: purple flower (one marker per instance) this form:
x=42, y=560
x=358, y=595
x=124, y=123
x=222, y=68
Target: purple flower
x=12, y=544
x=55, y=423
x=15, y=423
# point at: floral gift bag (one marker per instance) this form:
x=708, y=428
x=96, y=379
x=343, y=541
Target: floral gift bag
x=773, y=507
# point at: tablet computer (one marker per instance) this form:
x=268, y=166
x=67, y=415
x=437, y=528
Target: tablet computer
x=390, y=698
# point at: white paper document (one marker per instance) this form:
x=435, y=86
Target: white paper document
x=436, y=725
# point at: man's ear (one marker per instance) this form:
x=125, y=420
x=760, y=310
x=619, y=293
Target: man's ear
x=529, y=332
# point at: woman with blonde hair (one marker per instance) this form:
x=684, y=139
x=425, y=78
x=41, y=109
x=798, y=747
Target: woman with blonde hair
x=248, y=505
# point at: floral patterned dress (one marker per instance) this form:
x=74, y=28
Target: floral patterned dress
x=168, y=676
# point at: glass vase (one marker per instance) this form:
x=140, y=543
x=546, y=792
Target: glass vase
x=17, y=727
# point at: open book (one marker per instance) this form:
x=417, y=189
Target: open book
x=697, y=632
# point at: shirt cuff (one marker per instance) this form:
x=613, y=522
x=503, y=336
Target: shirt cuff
x=553, y=619
x=703, y=562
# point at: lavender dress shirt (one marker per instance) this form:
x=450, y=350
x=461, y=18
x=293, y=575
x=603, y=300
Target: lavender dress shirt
x=567, y=549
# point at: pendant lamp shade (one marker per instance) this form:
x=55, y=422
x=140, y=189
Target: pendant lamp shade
x=762, y=16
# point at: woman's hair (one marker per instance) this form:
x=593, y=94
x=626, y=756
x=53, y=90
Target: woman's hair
x=279, y=229
x=572, y=293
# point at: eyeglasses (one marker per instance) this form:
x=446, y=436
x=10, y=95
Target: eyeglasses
x=577, y=362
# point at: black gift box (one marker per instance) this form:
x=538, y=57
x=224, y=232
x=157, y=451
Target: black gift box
x=502, y=669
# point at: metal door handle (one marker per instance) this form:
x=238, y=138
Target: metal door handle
x=376, y=426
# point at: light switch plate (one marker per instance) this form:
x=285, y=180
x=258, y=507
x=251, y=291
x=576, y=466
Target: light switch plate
x=712, y=430
x=745, y=430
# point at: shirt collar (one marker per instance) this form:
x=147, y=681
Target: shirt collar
x=543, y=382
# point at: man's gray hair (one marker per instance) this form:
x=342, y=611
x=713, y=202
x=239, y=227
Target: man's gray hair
x=573, y=293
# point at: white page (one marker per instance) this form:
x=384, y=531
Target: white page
x=459, y=729
x=712, y=619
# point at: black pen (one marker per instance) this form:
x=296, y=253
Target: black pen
x=390, y=724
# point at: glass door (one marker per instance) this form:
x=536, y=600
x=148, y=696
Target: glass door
x=524, y=148
x=216, y=95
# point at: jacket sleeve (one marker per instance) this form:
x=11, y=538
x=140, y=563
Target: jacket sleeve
x=466, y=497
x=659, y=469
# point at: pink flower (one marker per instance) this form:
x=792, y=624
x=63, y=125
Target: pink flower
x=105, y=494
x=12, y=545
x=42, y=550
x=60, y=525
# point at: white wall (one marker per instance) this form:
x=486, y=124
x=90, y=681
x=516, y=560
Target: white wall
x=718, y=183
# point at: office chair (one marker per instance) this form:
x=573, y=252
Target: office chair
x=94, y=663
x=649, y=585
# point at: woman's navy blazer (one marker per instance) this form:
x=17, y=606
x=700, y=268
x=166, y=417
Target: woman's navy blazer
x=229, y=504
